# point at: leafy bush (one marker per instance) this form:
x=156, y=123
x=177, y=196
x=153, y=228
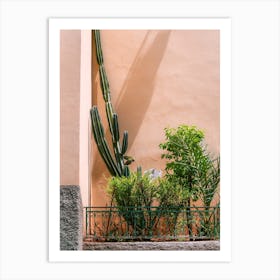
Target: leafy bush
x=136, y=195
x=133, y=191
x=191, y=168
x=190, y=165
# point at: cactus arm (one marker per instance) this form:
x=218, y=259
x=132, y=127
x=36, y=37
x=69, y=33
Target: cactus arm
x=116, y=143
x=116, y=127
x=126, y=171
x=104, y=84
x=101, y=142
x=99, y=53
x=109, y=113
x=124, y=142
x=100, y=147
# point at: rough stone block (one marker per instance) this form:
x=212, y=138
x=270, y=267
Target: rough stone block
x=71, y=218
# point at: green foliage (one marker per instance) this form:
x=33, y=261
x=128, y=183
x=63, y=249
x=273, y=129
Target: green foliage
x=192, y=170
x=139, y=190
x=207, y=223
x=133, y=191
x=135, y=197
x=115, y=163
x=189, y=164
x=169, y=195
x=209, y=181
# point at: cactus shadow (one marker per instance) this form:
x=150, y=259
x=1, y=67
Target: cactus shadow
x=138, y=88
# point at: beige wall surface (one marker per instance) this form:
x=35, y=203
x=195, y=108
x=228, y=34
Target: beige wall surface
x=158, y=79
x=75, y=103
x=70, y=60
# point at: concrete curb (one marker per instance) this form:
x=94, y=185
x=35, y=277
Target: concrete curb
x=157, y=246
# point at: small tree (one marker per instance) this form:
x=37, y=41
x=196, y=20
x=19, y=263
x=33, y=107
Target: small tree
x=190, y=167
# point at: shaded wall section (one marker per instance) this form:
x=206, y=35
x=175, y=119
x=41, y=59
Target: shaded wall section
x=158, y=79
x=75, y=103
x=70, y=60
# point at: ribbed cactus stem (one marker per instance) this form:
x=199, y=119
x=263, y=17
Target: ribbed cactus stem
x=114, y=164
x=126, y=171
x=124, y=142
x=101, y=142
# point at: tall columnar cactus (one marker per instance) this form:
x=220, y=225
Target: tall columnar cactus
x=115, y=164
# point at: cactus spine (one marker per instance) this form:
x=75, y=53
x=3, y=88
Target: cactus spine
x=115, y=164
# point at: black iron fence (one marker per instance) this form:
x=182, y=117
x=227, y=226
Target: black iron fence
x=152, y=223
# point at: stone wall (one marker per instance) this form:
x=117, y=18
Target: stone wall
x=71, y=218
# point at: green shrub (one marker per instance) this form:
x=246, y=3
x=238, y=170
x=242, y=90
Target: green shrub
x=133, y=191
x=191, y=169
x=189, y=164
x=135, y=197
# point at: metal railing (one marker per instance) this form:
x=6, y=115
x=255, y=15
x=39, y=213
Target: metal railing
x=152, y=223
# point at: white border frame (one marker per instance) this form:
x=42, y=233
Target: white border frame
x=24, y=161
x=222, y=24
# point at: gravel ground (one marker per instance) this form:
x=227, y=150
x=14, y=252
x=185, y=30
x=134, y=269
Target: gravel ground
x=157, y=246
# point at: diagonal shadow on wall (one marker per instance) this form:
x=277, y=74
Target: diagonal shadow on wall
x=137, y=91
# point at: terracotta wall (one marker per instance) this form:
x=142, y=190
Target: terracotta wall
x=70, y=60
x=158, y=78
x=75, y=102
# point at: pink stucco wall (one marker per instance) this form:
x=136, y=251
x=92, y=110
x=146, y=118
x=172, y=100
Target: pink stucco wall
x=75, y=103
x=70, y=60
x=158, y=78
